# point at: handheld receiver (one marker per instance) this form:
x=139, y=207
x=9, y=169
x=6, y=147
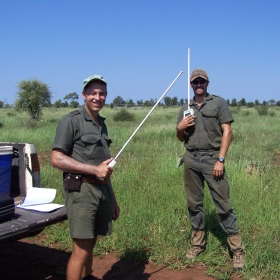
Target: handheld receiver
x=188, y=112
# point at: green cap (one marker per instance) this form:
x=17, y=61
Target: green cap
x=94, y=77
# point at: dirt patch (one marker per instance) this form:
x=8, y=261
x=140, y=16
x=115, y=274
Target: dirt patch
x=27, y=260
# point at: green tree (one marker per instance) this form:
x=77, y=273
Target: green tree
x=65, y=104
x=57, y=104
x=147, y=103
x=257, y=102
x=234, y=102
x=242, y=102
x=272, y=102
x=118, y=101
x=278, y=103
x=130, y=103
x=74, y=104
x=73, y=98
x=174, y=101
x=250, y=104
x=228, y=102
x=1, y=104
x=32, y=95
x=167, y=101
x=181, y=102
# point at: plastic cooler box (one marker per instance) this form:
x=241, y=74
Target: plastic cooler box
x=6, y=154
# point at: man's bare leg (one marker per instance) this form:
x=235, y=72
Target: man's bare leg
x=87, y=269
x=78, y=262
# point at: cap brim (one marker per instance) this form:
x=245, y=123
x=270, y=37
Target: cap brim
x=199, y=77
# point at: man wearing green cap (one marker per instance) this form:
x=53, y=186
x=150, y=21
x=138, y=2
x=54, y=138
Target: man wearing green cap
x=206, y=136
x=81, y=151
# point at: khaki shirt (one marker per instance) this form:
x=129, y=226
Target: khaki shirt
x=82, y=139
x=207, y=132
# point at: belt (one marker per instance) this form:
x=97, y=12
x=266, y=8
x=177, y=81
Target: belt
x=94, y=180
x=203, y=151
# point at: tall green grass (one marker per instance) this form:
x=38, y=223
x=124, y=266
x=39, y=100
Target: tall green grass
x=154, y=225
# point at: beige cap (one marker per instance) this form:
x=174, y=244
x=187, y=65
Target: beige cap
x=199, y=73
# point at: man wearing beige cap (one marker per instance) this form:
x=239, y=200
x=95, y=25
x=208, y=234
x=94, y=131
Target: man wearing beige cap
x=206, y=135
x=81, y=151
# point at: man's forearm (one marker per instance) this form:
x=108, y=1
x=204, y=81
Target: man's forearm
x=225, y=140
x=67, y=164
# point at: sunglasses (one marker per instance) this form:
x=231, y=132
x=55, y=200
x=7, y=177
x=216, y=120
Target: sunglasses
x=195, y=82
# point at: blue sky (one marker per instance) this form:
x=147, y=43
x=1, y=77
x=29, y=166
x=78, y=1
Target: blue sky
x=141, y=46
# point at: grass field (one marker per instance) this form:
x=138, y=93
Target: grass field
x=154, y=223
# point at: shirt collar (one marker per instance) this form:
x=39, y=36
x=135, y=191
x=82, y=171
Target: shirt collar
x=87, y=116
x=208, y=97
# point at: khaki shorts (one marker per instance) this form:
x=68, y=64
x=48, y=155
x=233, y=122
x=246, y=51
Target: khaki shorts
x=89, y=211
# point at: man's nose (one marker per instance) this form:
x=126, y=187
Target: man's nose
x=97, y=96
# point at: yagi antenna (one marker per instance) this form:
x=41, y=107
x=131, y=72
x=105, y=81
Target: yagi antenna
x=189, y=111
x=189, y=63
x=113, y=162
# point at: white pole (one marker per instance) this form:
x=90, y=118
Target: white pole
x=112, y=163
x=189, y=58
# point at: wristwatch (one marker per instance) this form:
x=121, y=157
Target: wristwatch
x=221, y=160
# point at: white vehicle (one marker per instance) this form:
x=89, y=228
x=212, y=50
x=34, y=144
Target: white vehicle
x=25, y=174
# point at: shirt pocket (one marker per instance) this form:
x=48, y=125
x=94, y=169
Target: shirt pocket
x=210, y=119
x=108, y=141
x=91, y=139
x=93, y=145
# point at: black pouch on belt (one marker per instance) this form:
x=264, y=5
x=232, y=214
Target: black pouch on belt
x=72, y=182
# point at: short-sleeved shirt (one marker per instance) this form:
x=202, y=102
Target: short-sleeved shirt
x=207, y=132
x=82, y=139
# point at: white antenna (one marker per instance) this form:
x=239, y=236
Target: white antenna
x=113, y=162
x=189, y=111
x=189, y=58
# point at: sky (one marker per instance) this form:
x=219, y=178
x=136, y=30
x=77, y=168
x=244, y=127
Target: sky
x=140, y=46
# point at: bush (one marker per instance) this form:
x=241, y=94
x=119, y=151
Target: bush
x=262, y=110
x=234, y=110
x=271, y=113
x=123, y=115
x=29, y=124
x=246, y=113
x=10, y=114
